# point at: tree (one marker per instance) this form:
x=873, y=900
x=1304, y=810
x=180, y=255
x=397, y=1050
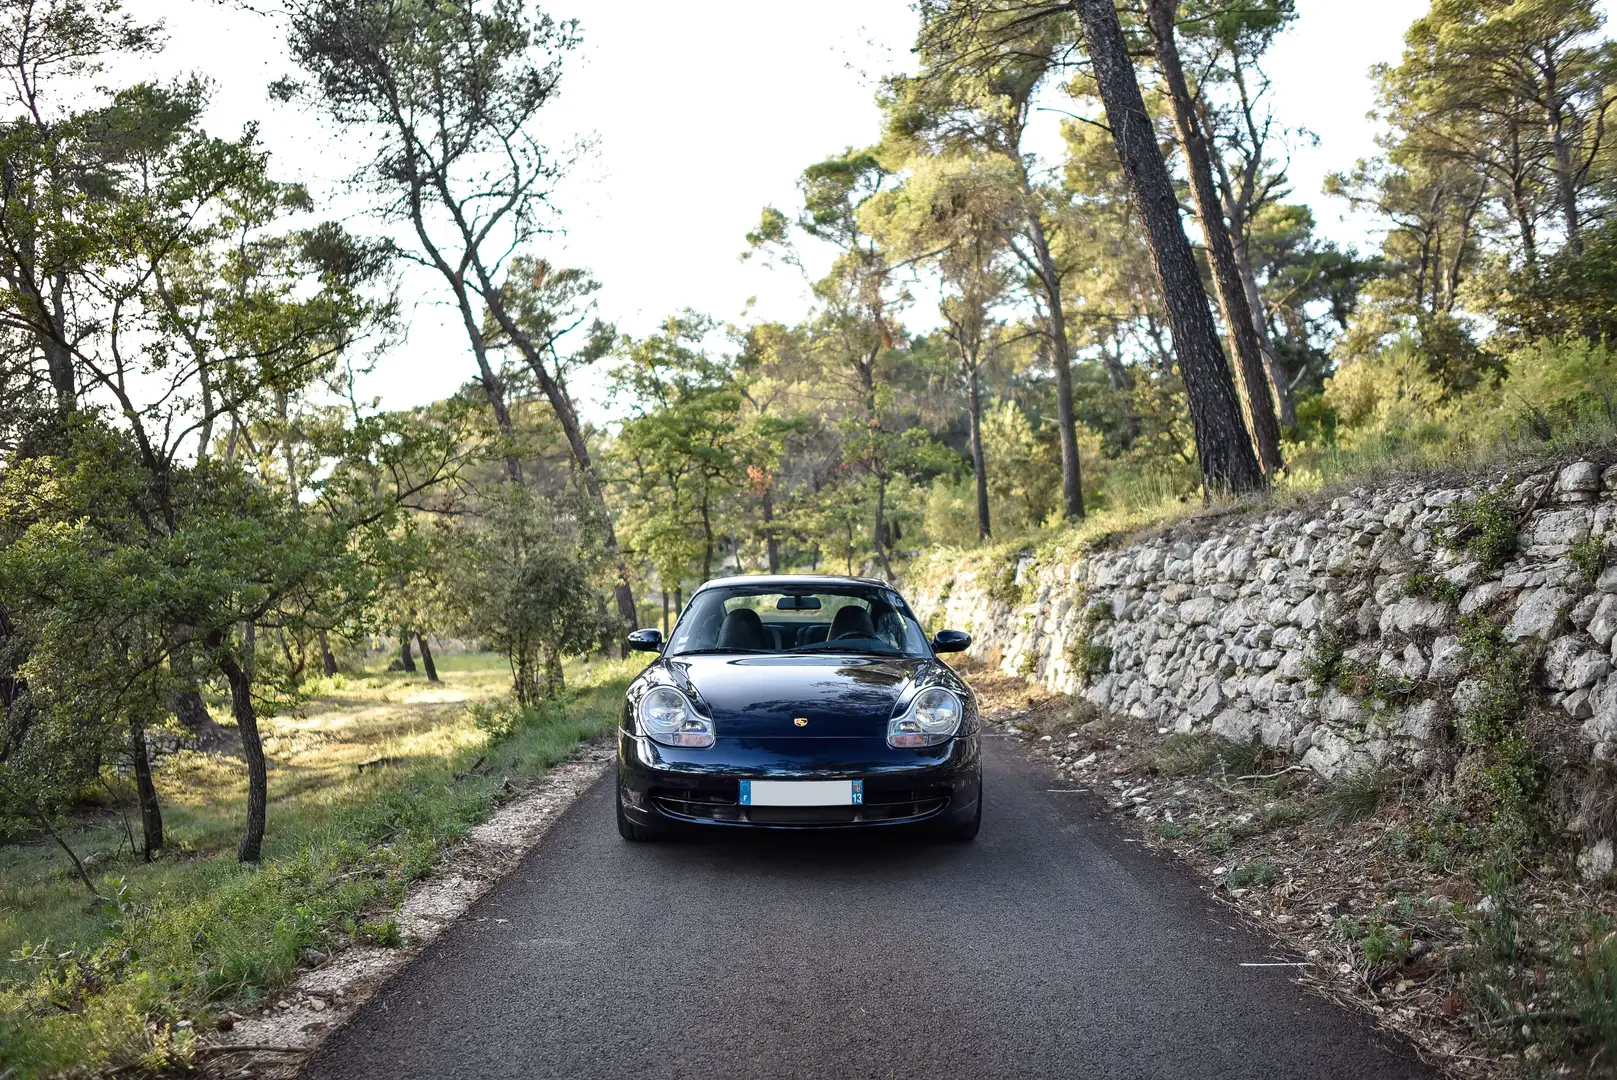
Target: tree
x=951, y=210
x=1227, y=281
x=681, y=444
x=1228, y=464
x=525, y=581
x=446, y=97
x=982, y=66
x=856, y=328
x=1516, y=87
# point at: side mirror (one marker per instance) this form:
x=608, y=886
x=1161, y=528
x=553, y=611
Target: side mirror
x=646, y=641
x=951, y=641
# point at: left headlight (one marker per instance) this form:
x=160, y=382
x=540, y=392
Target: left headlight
x=667, y=717
x=933, y=717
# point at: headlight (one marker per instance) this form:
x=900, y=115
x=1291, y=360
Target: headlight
x=667, y=716
x=933, y=717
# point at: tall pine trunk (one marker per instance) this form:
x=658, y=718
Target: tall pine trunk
x=979, y=466
x=426, y=658
x=1072, y=487
x=1259, y=398
x=1227, y=461
x=151, y=813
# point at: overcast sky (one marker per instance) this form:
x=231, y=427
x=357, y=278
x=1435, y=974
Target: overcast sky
x=702, y=113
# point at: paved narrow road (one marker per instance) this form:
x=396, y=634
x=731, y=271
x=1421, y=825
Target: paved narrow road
x=1047, y=948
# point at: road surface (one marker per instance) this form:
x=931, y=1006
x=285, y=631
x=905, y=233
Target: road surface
x=1047, y=948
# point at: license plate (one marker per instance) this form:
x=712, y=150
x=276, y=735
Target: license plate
x=802, y=792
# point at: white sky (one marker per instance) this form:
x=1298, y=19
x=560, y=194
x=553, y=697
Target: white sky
x=705, y=111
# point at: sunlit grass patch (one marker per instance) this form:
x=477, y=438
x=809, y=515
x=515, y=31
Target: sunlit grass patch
x=98, y=986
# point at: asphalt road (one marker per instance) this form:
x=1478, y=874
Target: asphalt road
x=1047, y=948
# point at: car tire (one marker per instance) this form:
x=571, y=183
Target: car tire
x=965, y=831
x=638, y=834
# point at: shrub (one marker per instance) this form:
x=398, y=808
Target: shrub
x=1357, y=795
x=1324, y=664
x=1493, y=723
x=1434, y=587
x=1483, y=527
x=1257, y=872
x=1589, y=557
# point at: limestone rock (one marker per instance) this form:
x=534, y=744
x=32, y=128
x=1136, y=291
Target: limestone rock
x=1572, y=663
x=1542, y=614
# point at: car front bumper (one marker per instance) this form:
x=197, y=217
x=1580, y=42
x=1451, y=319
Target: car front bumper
x=663, y=787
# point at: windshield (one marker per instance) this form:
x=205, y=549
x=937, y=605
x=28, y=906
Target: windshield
x=817, y=618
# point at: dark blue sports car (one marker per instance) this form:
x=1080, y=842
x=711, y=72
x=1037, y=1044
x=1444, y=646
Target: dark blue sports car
x=798, y=703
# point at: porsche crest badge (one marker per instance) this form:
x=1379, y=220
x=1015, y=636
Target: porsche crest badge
x=800, y=721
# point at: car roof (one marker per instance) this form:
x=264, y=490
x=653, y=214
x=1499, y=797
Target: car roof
x=791, y=581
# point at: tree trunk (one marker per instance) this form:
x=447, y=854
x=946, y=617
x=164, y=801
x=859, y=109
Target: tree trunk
x=664, y=591
x=328, y=662
x=881, y=527
x=771, y=541
x=1072, y=488
x=12, y=688
x=679, y=601
x=1284, y=398
x=979, y=466
x=251, y=848
x=406, y=660
x=426, y=658
x=555, y=683
x=1260, y=397
x=527, y=682
x=151, y=814
x=1565, y=182
x=192, y=711
x=707, y=544
x=1225, y=451
x=561, y=404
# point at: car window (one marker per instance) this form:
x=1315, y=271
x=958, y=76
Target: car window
x=853, y=618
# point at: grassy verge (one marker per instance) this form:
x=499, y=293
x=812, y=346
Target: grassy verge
x=125, y=985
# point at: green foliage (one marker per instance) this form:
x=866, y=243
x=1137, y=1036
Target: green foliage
x=1589, y=557
x=207, y=932
x=523, y=581
x=1259, y=872
x=1493, y=724
x=1357, y=795
x=1182, y=754
x=1434, y=587
x=1373, y=683
x=1484, y=527
x=1326, y=663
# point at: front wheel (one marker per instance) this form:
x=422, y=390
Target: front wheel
x=627, y=829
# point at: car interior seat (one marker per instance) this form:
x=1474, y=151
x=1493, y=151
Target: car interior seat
x=743, y=629
x=851, y=620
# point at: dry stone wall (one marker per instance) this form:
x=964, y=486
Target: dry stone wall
x=1235, y=626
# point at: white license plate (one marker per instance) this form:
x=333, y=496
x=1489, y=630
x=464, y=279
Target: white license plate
x=802, y=792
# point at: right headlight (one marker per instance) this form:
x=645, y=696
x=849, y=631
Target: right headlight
x=933, y=717
x=667, y=717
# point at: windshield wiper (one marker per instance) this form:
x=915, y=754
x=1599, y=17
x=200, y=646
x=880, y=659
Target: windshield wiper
x=708, y=652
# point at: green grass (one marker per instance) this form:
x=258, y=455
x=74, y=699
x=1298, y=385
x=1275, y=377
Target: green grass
x=103, y=987
x=1357, y=795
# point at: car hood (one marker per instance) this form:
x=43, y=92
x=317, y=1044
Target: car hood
x=765, y=696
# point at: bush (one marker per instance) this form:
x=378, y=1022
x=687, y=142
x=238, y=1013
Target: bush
x=1357, y=795
x=1484, y=528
